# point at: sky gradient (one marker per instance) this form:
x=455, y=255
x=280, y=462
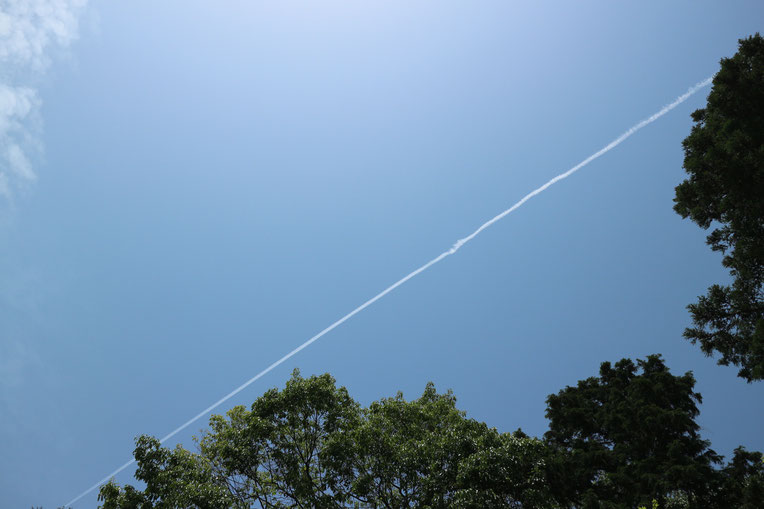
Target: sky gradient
x=214, y=183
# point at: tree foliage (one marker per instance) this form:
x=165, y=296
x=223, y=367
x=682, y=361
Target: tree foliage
x=426, y=453
x=274, y=455
x=629, y=436
x=724, y=158
x=623, y=440
x=311, y=446
x=742, y=481
x=173, y=478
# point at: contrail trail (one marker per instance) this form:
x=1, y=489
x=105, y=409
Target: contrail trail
x=457, y=245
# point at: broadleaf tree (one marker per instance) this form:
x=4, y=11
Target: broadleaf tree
x=312, y=446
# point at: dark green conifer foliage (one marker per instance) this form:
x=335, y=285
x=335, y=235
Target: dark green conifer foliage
x=724, y=158
x=742, y=482
x=629, y=436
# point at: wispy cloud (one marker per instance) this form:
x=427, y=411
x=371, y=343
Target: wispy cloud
x=17, y=105
x=29, y=31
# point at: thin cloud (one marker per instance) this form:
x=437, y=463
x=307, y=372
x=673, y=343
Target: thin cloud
x=29, y=28
x=17, y=106
x=29, y=31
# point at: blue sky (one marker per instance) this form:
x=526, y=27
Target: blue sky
x=205, y=185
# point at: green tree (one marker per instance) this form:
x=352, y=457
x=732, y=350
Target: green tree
x=311, y=445
x=724, y=158
x=627, y=437
x=271, y=456
x=274, y=455
x=511, y=471
x=173, y=478
x=742, y=481
x=426, y=453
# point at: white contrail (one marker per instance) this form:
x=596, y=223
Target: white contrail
x=458, y=245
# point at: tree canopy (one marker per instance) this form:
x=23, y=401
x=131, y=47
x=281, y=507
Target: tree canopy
x=618, y=441
x=311, y=446
x=629, y=437
x=724, y=158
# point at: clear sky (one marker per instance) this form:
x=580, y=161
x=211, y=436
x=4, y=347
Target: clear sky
x=190, y=189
